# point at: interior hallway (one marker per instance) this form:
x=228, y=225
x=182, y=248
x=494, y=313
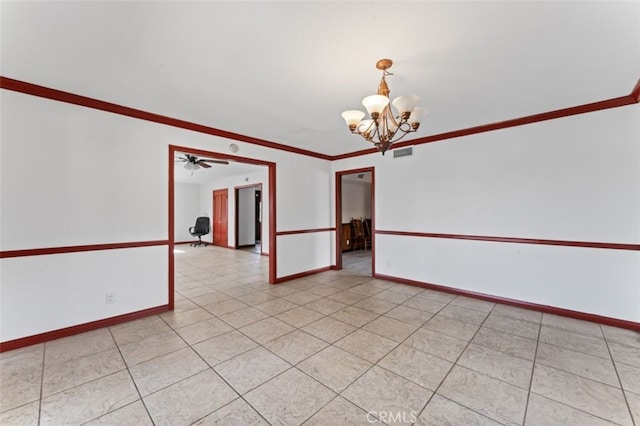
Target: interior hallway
x=330, y=349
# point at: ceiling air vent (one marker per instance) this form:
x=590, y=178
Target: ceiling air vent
x=403, y=152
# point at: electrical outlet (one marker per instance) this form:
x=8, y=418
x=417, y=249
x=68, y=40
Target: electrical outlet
x=110, y=298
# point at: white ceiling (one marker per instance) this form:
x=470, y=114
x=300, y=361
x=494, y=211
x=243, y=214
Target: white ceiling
x=284, y=71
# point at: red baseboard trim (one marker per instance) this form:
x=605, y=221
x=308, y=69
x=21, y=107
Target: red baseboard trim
x=77, y=249
x=80, y=328
x=302, y=274
x=614, y=322
x=587, y=244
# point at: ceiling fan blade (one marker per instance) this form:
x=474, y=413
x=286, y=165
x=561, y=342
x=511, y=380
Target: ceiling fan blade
x=216, y=161
x=203, y=164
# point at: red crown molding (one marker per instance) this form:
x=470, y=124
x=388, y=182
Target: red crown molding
x=76, y=249
x=630, y=99
x=80, y=328
x=565, y=243
x=71, y=98
x=614, y=322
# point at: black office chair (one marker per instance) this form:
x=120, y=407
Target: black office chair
x=201, y=228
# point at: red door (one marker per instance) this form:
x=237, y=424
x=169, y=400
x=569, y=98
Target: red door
x=220, y=233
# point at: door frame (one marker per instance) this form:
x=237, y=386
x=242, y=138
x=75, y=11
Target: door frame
x=338, y=217
x=172, y=149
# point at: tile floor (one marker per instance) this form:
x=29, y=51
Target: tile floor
x=336, y=348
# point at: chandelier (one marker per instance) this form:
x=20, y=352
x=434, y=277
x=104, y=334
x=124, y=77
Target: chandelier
x=384, y=128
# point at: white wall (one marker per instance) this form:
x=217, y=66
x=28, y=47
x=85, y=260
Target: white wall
x=575, y=178
x=72, y=176
x=186, y=210
x=356, y=200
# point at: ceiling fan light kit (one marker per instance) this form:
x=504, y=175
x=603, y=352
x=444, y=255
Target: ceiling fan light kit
x=194, y=163
x=384, y=128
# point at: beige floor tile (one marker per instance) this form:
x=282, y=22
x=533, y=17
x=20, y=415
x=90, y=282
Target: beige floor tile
x=256, y=298
x=577, y=342
x=295, y=346
x=410, y=290
x=572, y=325
x=151, y=347
x=182, y=319
x=68, y=348
x=19, y=386
x=354, y=316
x=391, y=328
x=579, y=363
x=622, y=336
x=137, y=330
x=329, y=329
x=634, y=405
x=276, y=306
x=324, y=290
x=223, y=347
x=630, y=377
x=251, y=369
x=436, y=295
x=392, y=296
x=225, y=307
x=584, y=394
x=266, y=329
x=237, y=412
x=204, y=330
x=132, y=414
x=24, y=415
x=452, y=327
x=625, y=354
x=210, y=298
x=183, y=305
x=442, y=411
x=189, y=400
x=508, y=343
x=165, y=370
x=302, y=297
x=366, y=345
x=375, y=305
x=367, y=289
x=410, y=315
x=510, y=369
x=59, y=377
x=491, y=397
x=197, y=291
x=340, y=412
x=326, y=306
x=334, y=367
x=23, y=359
x=437, y=344
x=88, y=401
x=347, y=297
x=515, y=326
x=544, y=411
x=238, y=291
x=475, y=304
x=463, y=314
x=424, y=304
x=290, y=398
x=242, y=317
x=300, y=316
x=387, y=394
x=517, y=313
x=419, y=367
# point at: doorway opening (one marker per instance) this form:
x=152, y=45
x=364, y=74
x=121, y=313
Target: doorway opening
x=355, y=220
x=234, y=161
x=248, y=218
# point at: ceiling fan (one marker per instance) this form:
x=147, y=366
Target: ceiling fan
x=194, y=163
